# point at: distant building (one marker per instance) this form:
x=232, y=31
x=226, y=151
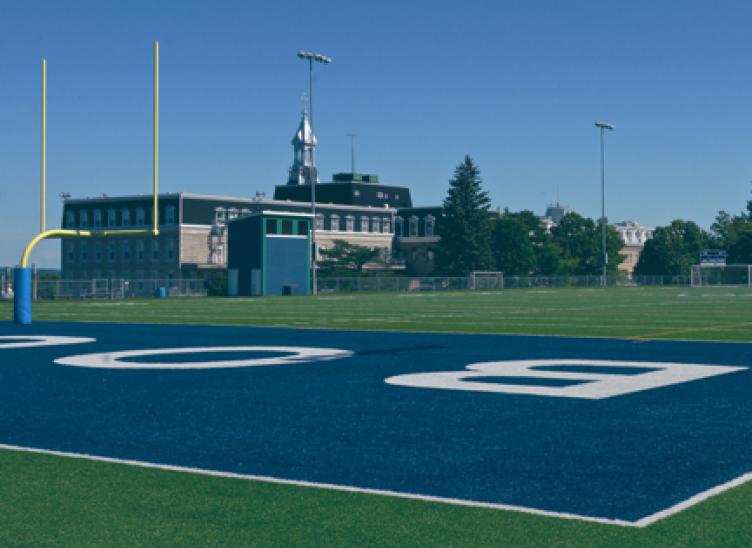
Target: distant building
x=193, y=227
x=554, y=214
x=634, y=237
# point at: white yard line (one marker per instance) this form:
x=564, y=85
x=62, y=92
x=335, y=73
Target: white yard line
x=643, y=522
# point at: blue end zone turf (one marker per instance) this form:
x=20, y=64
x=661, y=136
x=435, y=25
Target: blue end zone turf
x=338, y=422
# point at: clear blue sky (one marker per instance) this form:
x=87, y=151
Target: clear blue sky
x=515, y=84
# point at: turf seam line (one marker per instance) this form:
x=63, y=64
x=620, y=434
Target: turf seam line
x=640, y=523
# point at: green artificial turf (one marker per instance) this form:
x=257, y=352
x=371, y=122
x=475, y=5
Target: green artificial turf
x=651, y=312
x=56, y=501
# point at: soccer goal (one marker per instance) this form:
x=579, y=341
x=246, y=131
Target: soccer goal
x=486, y=280
x=732, y=275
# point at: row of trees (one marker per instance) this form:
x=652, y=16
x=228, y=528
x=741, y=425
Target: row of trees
x=676, y=247
x=475, y=238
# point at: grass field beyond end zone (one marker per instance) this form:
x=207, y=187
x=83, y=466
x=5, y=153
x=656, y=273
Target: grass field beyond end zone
x=55, y=501
x=719, y=314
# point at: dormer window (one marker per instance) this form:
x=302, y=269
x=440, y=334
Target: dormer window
x=83, y=218
x=413, y=226
x=125, y=217
x=97, y=218
x=111, y=217
x=70, y=219
x=398, y=226
x=429, y=222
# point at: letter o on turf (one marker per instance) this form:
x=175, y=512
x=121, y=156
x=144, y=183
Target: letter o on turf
x=116, y=360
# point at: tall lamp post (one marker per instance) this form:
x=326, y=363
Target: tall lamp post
x=311, y=58
x=603, y=126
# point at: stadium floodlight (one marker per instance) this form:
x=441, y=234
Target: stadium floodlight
x=319, y=58
x=602, y=126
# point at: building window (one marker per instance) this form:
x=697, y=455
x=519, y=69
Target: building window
x=84, y=250
x=398, y=225
x=364, y=224
x=396, y=196
x=155, y=250
x=350, y=223
x=140, y=250
x=126, y=250
x=303, y=228
x=431, y=255
x=319, y=221
x=170, y=249
x=334, y=222
x=111, y=217
x=70, y=219
x=356, y=193
x=70, y=250
x=380, y=195
x=111, y=251
x=287, y=226
x=83, y=218
x=97, y=218
x=429, y=224
x=413, y=226
x=386, y=226
x=97, y=251
x=271, y=226
x=375, y=224
x=125, y=217
x=140, y=216
x=170, y=215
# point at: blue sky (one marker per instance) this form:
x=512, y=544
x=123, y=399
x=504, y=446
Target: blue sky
x=515, y=84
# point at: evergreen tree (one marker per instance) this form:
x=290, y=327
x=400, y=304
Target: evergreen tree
x=466, y=228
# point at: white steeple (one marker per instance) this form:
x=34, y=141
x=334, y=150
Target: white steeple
x=303, y=170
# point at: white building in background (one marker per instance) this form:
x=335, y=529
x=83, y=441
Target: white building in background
x=634, y=237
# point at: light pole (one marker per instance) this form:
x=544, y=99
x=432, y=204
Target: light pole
x=311, y=57
x=603, y=126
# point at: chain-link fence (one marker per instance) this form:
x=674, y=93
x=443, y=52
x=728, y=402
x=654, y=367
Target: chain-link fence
x=101, y=288
x=400, y=283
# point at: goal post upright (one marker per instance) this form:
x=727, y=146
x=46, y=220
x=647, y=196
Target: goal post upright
x=22, y=278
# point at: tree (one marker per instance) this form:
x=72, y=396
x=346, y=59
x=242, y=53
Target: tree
x=672, y=250
x=345, y=258
x=512, y=246
x=580, y=242
x=465, y=243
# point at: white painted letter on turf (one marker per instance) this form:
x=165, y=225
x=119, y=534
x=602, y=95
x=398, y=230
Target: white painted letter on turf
x=113, y=360
x=31, y=341
x=585, y=385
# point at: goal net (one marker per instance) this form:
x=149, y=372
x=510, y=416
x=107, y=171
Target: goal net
x=486, y=280
x=721, y=275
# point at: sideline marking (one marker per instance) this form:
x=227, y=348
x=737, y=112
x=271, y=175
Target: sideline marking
x=113, y=360
x=640, y=523
x=596, y=386
x=29, y=341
